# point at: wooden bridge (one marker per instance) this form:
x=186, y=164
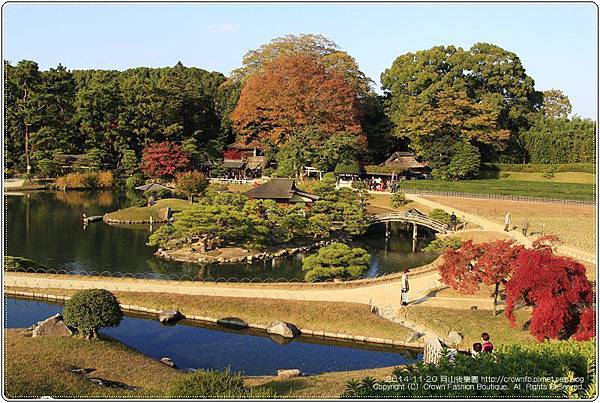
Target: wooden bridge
x=412, y=216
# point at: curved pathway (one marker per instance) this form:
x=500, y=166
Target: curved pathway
x=382, y=295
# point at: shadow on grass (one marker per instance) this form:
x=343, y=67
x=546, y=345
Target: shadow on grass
x=286, y=386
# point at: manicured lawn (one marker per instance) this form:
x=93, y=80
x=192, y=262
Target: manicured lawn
x=39, y=366
x=573, y=191
x=144, y=213
x=471, y=323
x=574, y=224
x=382, y=203
x=559, y=177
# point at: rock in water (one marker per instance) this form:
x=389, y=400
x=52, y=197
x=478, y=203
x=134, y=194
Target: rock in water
x=53, y=326
x=283, y=329
x=169, y=316
x=453, y=339
x=169, y=362
x=288, y=373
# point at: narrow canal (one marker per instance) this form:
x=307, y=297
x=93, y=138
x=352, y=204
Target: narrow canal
x=47, y=227
x=193, y=345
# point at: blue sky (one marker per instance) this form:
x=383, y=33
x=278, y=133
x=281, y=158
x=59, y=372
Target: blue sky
x=556, y=42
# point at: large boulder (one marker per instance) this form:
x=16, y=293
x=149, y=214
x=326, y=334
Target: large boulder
x=288, y=373
x=169, y=316
x=414, y=337
x=53, y=326
x=169, y=362
x=283, y=329
x=453, y=339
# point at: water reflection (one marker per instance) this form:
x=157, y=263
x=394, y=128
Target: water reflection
x=192, y=345
x=47, y=227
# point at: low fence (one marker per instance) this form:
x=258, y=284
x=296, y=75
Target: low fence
x=236, y=181
x=350, y=282
x=425, y=192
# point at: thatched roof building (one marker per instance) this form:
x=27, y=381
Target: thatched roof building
x=282, y=190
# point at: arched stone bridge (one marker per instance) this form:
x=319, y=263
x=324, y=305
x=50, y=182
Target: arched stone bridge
x=410, y=216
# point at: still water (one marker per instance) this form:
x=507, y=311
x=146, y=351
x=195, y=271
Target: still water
x=190, y=345
x=47, y=228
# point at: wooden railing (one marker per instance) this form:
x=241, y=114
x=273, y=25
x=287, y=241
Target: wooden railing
x=412, y=218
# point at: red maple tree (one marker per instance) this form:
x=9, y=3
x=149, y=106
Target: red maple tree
x=163, y=160
x=474, y=264
x=291, y=93
x=558, y=290
x=232, y=154
x=586, y=329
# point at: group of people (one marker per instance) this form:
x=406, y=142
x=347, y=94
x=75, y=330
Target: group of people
x=508, y=223
x=485, y=346
x=377, y=184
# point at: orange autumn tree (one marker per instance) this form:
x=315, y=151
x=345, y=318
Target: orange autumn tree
x=290, y=94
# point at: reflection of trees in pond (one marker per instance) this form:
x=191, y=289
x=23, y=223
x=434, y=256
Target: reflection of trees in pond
x=168, y=267
x=103, y=198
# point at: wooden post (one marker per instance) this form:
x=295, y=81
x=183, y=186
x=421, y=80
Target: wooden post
x=387, y=229
x=414, y=243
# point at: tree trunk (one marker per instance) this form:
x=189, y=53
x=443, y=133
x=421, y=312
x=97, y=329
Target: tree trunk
x=496, y=299
x=28, y=164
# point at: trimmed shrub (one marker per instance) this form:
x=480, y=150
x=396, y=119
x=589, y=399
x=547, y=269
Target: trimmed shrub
x=17, y=263
x=399, y=199
x=215, y=384
x=440, y=245
x=89, y=310
x=440, y=215
x=336, y=260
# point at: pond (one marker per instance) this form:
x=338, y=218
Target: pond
x=194, y=345
x=47, y=228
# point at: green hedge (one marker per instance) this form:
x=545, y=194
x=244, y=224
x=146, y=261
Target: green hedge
x=542, y=168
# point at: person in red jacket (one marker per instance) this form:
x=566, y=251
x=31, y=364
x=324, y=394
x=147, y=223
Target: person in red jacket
x=486, y=344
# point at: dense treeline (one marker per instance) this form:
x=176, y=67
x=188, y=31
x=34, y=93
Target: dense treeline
x=305, y=102
x=107, y=113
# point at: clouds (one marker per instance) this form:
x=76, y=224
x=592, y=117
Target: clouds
x=224, y=28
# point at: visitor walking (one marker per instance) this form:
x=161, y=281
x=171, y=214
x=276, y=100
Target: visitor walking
x=507, y=222
x=486, y=344
x=405, y=287
x=525, y=226
x=453, y=222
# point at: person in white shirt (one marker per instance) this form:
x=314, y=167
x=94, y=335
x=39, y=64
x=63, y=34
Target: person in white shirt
x=507, y=222
x=405, y=288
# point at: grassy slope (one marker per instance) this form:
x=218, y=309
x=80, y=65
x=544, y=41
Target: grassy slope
x=471, y=323
x=40, y=367
x=144, y=213
x=36, y=367
x=334, y=317
x=574, y=191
